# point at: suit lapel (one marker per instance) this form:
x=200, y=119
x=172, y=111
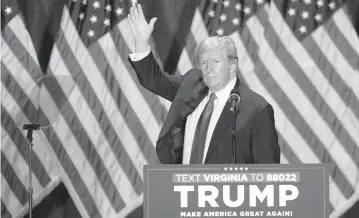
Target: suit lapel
x=224, y=122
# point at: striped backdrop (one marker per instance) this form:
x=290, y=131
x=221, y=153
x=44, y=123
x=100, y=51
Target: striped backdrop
x=107, y=129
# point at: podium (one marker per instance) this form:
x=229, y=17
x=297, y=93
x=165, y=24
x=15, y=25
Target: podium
x=255, y=190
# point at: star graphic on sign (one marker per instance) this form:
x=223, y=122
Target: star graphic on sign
x=303, y=29
x=320, y=3
x=259, y=2
x=246, y=168
x=96, y=4
x=225, y=169
x=231, y=168
x=81, y=16
x=247, y=10
x=91, y=33
x=106, y=22
x=226, y=3
x=332, y=5
x=307, y=2
x=8, y=10
x=291, y=12
x=238, y=7
x=119, y=11
x=93, y=19
x=219, y=31
x=223, y=17
x=305, y=15
x=108, y=8
x=236, y=168
x=84, y=2
x=241, y=168
x=211, y=13
x=318, y=17
x=235, y=21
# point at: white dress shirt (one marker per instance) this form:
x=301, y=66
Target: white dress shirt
x=192, y=119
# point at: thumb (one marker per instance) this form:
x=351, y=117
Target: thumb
x=152, y=22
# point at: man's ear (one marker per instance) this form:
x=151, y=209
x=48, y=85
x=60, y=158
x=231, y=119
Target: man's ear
x=233, y=66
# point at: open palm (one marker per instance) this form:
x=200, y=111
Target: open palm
x=141, y=30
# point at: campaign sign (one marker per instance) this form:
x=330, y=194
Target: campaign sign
x=256, y=190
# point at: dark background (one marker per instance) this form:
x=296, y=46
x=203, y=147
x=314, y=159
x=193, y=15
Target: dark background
x=42, y=19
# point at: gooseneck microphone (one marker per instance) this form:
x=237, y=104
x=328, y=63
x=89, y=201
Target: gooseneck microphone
x=234, y=100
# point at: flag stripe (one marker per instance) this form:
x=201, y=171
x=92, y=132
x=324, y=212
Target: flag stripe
x=153, y=102
x=121, y=85
x=345, y=49
x=76, y=117
x=325, y=108
x=22, y=75
x=17, y=136
x=292, y=114
x=10, y=200
x=115, y=134
x=18, y=32
x=10, y=176
x=89, y=68
x=154, y=105
x=195, y=36
x=285, y=128
x=4, y=211
x=124, y=29
x=286, y=61
x=66, y=161
x=89, y=96
x=11, y=95
x=343, y=34
x=333, y=66
x=18, y=164
x=114, y=48
x=22, y=55
x=73, y=160
x=287, y=151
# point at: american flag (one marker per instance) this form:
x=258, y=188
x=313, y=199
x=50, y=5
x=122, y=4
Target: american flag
x=301, y=55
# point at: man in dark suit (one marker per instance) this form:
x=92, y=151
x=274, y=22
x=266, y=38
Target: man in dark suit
x=198, y=127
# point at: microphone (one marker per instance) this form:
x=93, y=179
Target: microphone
x=234, y=99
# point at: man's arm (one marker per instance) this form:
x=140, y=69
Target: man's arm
x=265, y=148
x=154, y=79
x=148, y=71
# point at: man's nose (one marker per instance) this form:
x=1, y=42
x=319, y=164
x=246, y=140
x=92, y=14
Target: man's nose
x=209, y=66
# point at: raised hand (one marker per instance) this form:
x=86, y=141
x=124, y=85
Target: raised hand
x=141, y=30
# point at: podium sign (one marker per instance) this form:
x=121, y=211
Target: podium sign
x=256, y=190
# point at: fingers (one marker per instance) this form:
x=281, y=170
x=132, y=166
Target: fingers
x=140, y=11
x=135, y=11
x=130, y=20
x=132, y=12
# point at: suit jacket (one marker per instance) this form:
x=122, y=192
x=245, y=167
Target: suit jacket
x=256, y=136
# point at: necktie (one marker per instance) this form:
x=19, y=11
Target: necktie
x=201, y=132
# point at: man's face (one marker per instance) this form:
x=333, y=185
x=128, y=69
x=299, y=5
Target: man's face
x=215, y=69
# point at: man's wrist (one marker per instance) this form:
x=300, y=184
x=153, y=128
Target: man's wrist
x=141, y=46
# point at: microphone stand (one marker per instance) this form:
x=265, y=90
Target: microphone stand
x=233, y=109
x=30, y=128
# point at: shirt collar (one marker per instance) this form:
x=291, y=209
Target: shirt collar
x=223, y=94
